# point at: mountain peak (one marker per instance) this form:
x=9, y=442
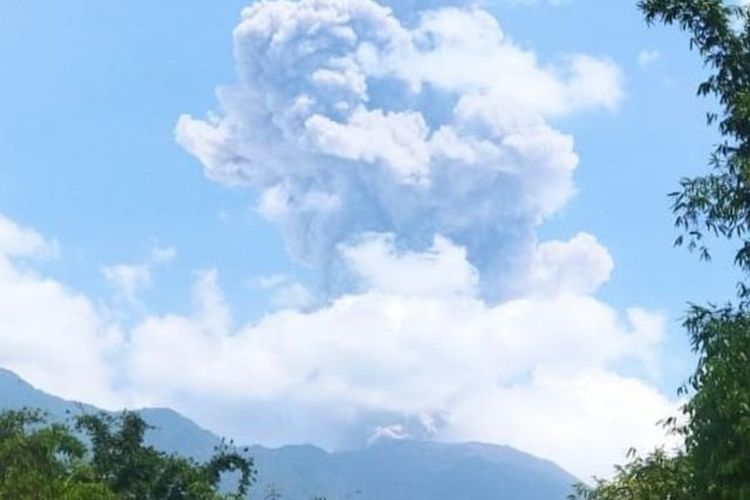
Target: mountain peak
x=392, y=469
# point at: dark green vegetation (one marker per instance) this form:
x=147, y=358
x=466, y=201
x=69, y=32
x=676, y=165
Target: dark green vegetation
x=40, y=460
x=715, y=460
x=389, y=470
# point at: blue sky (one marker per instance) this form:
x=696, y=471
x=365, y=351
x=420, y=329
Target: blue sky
x=92, y=93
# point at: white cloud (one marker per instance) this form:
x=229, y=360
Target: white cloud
x=389, y=433
x=532, y=372
x=413, y=161
x=163, y=255
x=441, y=270
x=286, y=293
x=648, y=57
x=413, y=154
x=557, y=411
x=293, y=296
x=416, y=352
x=399, y=140
x=435, y=125
x=272, y=281
x=580, y=265
x=129, y=280
x=18, y=241
x=52, y=336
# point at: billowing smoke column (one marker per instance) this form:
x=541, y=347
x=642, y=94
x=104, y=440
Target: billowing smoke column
x=414, y=152
x=349, y=121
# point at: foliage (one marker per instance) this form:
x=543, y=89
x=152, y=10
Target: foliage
x=47, y=461
x=717, y=433
x=135, y=471
x=658, y=476
x=718, y=203
x=272, y=493
x=715, y=461
x=39, y=461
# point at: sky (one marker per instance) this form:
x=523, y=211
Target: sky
x=338, y=221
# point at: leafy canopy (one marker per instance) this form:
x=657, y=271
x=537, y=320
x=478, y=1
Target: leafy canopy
x=40, y=460
x=715, y=460
x=717, y=203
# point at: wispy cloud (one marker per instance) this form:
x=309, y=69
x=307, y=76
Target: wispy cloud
x=19, y=241
x=287, y=293
x=53, y=336
x=131, y=279
x=648, y=57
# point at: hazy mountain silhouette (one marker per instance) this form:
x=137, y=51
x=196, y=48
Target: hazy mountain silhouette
x=386, y=470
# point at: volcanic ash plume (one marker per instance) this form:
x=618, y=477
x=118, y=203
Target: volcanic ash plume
x=349, y=121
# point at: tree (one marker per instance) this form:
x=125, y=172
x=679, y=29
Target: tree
x=272, y=493
x=44, y=462
x=132, y=470
x=717, y=433
x=47, y=461
x=715, y=462
x=718, y=203
x=658, y=476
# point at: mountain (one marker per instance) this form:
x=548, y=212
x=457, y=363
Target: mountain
x=413, y=470
x=387, y=470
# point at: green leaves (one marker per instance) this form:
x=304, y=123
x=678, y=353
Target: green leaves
x=718, y=430
x=715, y=460
x=716, y=204
x=43, y=461
x=658, y=476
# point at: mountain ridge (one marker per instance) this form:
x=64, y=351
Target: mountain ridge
x=384, y=470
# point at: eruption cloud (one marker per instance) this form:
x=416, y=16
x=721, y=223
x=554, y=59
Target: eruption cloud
x=349, y=121
x=410, y=152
